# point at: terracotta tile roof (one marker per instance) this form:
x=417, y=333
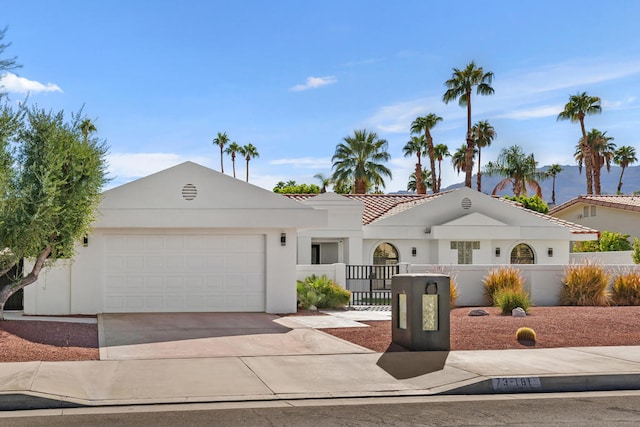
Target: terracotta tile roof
x=380, y=206
x=624, y=202
x=573, y=227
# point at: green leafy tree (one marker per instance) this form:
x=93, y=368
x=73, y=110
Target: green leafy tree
x=578, y=107
x=635, y=255
x=623, y=157
x=519, y=169
x=533, y=203
x=293, y=188
x=425, y=124
x=52, y=180
x=441, y=151
x=221, y=140
x=359, y=159
x=232, y=150
x=553, y=172
x=460, y=87
x=416, y=145
x=249, y=152
x=483, y=133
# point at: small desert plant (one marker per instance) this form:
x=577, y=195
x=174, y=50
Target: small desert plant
x=321, y=292
x=502, y=278
x=525, y=334
x=508, y=299
x=635, y=255
x=585, y=284
x=626, y=289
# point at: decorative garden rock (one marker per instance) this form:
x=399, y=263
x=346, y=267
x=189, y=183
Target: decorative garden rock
x=518, y=312
x=478, y=312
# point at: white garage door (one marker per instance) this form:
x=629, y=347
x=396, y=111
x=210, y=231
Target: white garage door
x=177, y=273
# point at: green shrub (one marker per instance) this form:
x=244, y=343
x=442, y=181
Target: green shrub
x=626, y=289
x=525, y=334
x=635, y=255
x=321, y=292
x=508, y=299
x=610, y=241
x=533, y=203
x=502, y=278
x=585, y=284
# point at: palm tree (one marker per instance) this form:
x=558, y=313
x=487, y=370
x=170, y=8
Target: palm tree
x=459, y=159
x=221, y=140
x=416, y=145
x=623, y=157
x=324, y=180
x=602, y=152
x=553, y=171
x=249, y=152
x=359, y=158
x=87, y=127
x=425, y=124
x=412, y=185
x=575, y=110
x=441, y=151
x=231, y=150
x=460, y=86
x=483, y=133
x=519, y=170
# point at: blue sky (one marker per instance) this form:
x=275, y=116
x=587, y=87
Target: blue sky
x=293, y=78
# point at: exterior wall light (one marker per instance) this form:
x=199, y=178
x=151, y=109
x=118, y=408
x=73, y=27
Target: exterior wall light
x=283, y=239
x=550, y=251
x=85, y=241
x=497, y=251
x=414, y=251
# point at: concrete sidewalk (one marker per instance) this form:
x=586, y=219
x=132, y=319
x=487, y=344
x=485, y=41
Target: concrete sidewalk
x=222, y=379
x=347, y=372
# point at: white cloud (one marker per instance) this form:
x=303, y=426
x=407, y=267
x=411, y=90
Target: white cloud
x=314, y=82
x=532, y=113
x=15, y=84
x=304, y=163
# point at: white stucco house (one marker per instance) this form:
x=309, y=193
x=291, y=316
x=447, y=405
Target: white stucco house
x=184, y=239
x=618, y=213
x=190, y=239
x=461, y=226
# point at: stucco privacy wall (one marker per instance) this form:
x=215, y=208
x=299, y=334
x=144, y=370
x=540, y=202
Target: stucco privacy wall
x=157, y=206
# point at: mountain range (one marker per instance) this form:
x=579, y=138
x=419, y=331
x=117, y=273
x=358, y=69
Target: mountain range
x=570, y=183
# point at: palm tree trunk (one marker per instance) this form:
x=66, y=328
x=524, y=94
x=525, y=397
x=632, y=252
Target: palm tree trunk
x=247, y=159
x=221, y=165
x=419, y=185
x=553, y=190
x=432, y=161
x=439, y=176
x=620, y=182
x=469, y=153
x=586, y=154
x=479, y=177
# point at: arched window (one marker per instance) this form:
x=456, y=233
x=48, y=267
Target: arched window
x=522, y=254
x=385, y=254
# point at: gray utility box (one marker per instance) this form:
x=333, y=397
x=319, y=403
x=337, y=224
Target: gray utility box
x=420, y=311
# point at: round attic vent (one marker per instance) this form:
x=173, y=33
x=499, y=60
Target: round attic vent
x=189, y=192
x=465, y=203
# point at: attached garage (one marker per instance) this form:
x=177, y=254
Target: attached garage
x=186, y=239
x=169, y=273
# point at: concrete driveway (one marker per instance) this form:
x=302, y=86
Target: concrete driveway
x=187, y=335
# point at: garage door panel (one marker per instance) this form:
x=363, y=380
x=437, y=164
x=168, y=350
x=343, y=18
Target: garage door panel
x=184, y=273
